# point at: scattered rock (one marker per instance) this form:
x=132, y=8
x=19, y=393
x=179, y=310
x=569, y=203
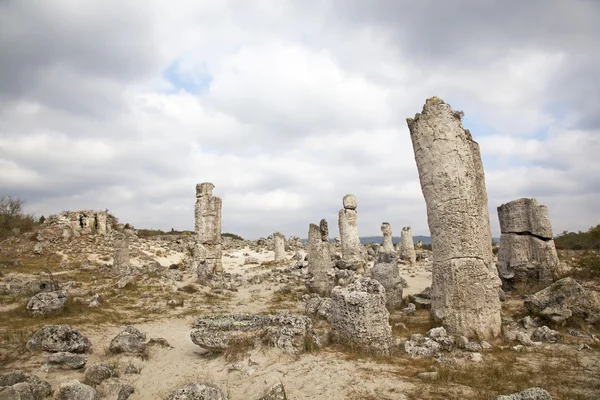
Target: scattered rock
x=130, y=340
x=96, y=373
x=410, y=309
x=276, y=392
x=547, y=335
x=113, y=390
x=47, y=302
x=419, y=346
x=65, y=360
x=198, y=391
x=19, y=385
x=58, y=338
x=527, y=394
x=161, y=342
x=75, y=390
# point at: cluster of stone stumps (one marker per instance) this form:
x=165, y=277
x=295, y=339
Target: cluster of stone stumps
x=208, y=251
x=527, y=255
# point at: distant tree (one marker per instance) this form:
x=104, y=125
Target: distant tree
x=41, y=220
x=12, y=216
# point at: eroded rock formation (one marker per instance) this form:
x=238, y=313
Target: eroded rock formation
x=208, y=254
x=387, y=246
x=121, y=262
x=279, y=246
x=465, y=282
x=385, y=271
x=527, y=254
x=359, y=317
x=320, y=265
x=407, y=246
x=353, y=256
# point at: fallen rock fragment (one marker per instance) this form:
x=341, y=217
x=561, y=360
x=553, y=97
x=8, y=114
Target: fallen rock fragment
x=130, y=340
x=58, y=338
x=198, y=391
x=75, y=390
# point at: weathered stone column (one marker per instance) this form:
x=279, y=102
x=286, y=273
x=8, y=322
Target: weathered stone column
x=385, y=271
x=387, y=246
x=352, y=251
x=465, y=282
x=319, y=259
x=208, y=231
x=527, y=254
x=121, y=262
x=279, y=243
x=407, y=246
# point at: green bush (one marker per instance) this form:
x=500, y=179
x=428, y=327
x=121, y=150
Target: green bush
x=12, y=216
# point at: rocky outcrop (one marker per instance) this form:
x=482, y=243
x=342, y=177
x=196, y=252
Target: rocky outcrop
x=23, y=385
x=58, y=338
x=407, y=246
x=130, y=340
x=208, y=251
x=219, y=332
x=385, y=271
x=75, y=390
x=526, y=254
x=279, y=246
x=47, y=302
x=353, y=256
x=198, y=391
x=527, y=394
x=360, y=318
x=318, y=307
x=320, y=266
x=465, y=282
x=564, y=299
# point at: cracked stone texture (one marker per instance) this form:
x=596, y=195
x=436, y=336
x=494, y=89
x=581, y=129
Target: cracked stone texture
x=285, y=331
x=23, y=385
x=207, y=213
x=465, y=281
x=526, y=253
x=319, y=259
x=526, y=259
x=58, y=338
x=527, y=394
x=385, y=271
x=75, y=390
x=359, y=316
x=47, y=302
x=525, y=216
x=353, y=256
x=387, y=246
x=279, y=245
x=407, y=246
x=198, y=391
x=129, y=340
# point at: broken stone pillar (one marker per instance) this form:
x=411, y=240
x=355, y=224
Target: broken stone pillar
x=279, y=243
x=208, y=230
x=527, y=255
x=359, y=317
x=387, y=246
x=407, y=246
x=121, y=262
x=320, y=265
x=385, y=271
x=353, y=256
x=465, y=282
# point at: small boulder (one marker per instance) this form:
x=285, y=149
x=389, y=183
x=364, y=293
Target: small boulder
x=75, y=390
x=58, y=338
x=130, y=340
x=112, y=390
x=527, y=394
x=197, y=391
x=65, y=360
x=97, y=373
x=47, y=302
x=545, y=334
x=23, y=385
x=276, y=392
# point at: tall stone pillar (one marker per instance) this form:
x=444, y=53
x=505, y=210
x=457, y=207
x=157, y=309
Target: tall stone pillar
x=527, y=254
x=121, y=263
x=465, y=281
x=407, y=246
x=319, y=259
x=279, y=244
x=208, y=230
x=353, y=256
x=387, y=246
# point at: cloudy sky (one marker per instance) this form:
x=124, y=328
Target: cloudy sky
x=286, y=106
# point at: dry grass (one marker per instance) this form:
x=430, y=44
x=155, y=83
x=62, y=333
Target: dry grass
x=238, y=348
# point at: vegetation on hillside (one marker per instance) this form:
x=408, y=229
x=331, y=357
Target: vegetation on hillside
x=589, y=240
x=13, y=217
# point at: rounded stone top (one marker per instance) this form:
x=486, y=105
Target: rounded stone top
x=386, y=228
x=350, y=202
x=204, y=189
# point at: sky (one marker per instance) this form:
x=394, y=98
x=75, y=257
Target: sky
x=286, y=106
